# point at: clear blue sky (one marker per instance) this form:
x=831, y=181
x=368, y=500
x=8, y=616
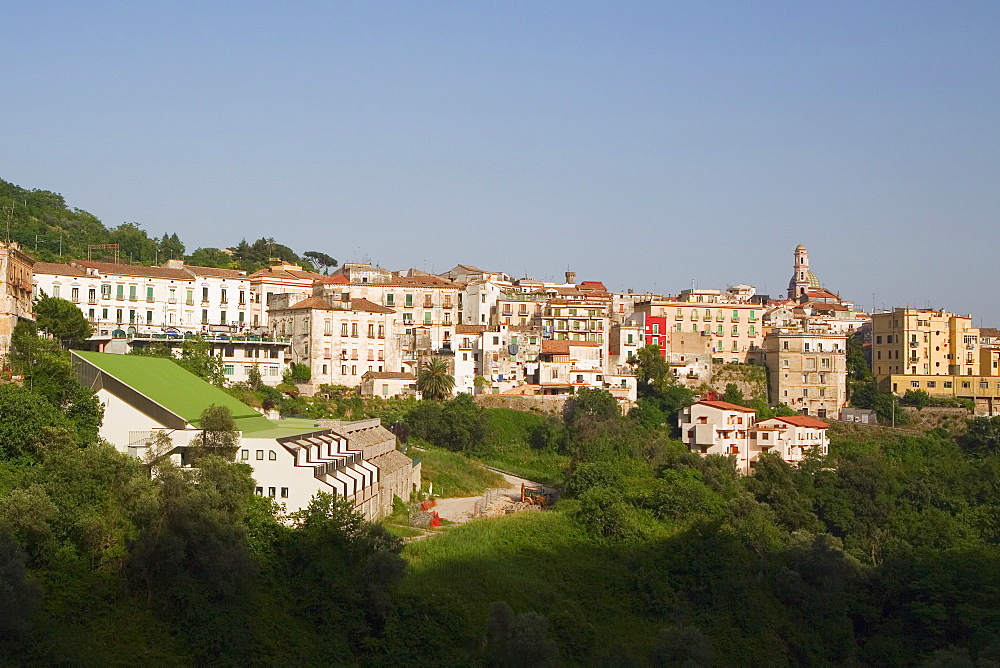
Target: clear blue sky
x=643, y=144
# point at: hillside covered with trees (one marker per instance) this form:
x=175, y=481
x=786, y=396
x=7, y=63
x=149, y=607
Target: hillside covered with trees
x=885, y=552
x=51, y=231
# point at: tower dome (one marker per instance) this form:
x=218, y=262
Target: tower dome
x=803, y=280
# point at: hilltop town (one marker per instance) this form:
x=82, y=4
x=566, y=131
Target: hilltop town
x=263, y=443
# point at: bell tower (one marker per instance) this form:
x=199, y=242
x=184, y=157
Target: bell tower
x=800, y=282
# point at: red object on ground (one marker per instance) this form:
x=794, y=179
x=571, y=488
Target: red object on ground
x=436, y=521
x=427, y=505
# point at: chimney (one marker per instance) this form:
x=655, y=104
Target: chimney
x=174, y=264
x=571, y=277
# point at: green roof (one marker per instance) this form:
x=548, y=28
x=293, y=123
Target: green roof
x=183, y=393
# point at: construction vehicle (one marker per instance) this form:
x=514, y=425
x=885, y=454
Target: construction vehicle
x=537, y=496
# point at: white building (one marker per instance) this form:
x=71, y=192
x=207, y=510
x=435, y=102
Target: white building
x=291, y=460
x=721, y=428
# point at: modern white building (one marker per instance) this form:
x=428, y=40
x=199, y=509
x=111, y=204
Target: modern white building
x=292, y=460
x=722, y=428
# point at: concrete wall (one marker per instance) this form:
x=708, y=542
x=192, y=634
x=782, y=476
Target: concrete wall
x=555, y=405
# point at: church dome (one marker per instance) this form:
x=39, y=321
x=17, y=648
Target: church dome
x=813, y=282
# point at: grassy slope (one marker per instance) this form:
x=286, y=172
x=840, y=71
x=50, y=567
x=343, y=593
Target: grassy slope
x=511, y=450
x=536, y=562
x=454, y=474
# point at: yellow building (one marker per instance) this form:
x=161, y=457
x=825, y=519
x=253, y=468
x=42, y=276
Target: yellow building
x=935, y=352
x=808, y=371
x=911, y=341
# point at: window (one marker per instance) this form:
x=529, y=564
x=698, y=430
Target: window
x=189, y=300
x=75, y=295
x=260, y=454
x=244, y=454
x=131, y=293
x=284, y=492
x=229, y=369
x=914, y=383
x=119, y=292
x=343, y=329
x=149, y=317
x=149, y=293
x=105, y=291
x=272, y=455
x=204, y=316
x=271, y=491
x=427, y=317
x=390, y=299
x=354, y=329
x=224, y=299
x=736, y=330
x=409, y=300
x=260, y=491
x=204, y=294
x=222, y=319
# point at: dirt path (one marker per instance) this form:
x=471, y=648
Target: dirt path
x=462, y=509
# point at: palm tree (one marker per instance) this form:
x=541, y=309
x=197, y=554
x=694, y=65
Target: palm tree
x=433, y=379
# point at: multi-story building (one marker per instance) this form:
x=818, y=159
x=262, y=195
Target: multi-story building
x=278, y=279
x=239, y=353
x=911, y=341
x=340, y=341
x=736, y=329
x=15, y=298
x=122, y=300
x=508, y=357
x=565, y=320
x=566, y=365
x=937, y=352
x=427, y=310
x=623, y=303
x=807, y=370
x=721, y=428
x=690, y=357
x=625, y=340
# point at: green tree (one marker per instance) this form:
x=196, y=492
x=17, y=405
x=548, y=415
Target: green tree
x=518, y=640
x=19, y=596
x=434, y=381
x=63, y=320
x=682, y=646
x=595, y=404
x=219, y=435
x=211, y=257
x=170, y=247
x=134, y=245
x=321, y=260
x=982, y=436
x=651, y=369
x=734, y=394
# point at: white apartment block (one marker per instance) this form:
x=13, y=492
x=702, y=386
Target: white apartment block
x=721, y=428
x=121, y=300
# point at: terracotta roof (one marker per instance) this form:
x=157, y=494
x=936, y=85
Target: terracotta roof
x=287, y=273
x=57, y=269
x=803, y=421
x=135, y=270
x=428, y=281
x=369, y=306
x=313, y=303
x=593, y=285
x=215, y=272
x=389, y=375
x=726, y=406
x=470, y=329
x=562, y=347
x=988, y=332
x=339, y=279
